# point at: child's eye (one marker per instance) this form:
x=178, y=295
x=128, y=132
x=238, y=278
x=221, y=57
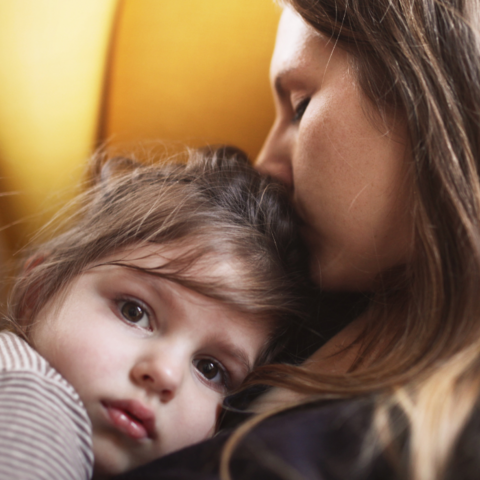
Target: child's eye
x=213, y=372
x=133, y=312
x=300, y=110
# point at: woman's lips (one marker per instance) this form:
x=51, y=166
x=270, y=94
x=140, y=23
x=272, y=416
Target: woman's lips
x=132, y=418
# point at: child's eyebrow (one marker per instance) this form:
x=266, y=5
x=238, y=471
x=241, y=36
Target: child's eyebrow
x=234, y=351
x=140, y=271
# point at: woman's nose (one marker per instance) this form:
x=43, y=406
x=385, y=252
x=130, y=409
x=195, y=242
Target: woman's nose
x=275, y=158
x=160, y=373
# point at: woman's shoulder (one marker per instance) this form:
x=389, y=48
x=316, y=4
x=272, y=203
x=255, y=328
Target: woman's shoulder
x=319, y=440
x=465, y=463
x=316, y=441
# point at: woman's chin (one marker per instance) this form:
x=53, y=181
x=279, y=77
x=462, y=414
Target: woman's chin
x=340, y=273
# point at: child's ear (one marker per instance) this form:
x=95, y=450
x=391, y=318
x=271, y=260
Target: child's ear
x=34, y=261
x=33, y=291
x=101, y=169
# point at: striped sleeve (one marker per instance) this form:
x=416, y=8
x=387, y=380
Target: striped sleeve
x=45, y=432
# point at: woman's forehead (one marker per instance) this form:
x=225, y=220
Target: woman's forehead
x=298, y=45
x=291, y=35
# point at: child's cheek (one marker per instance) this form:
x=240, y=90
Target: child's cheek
x=85, y=345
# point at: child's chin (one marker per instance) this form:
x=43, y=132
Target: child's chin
x=110, y=460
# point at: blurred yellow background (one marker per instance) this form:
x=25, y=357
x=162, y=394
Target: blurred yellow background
x=133, y=75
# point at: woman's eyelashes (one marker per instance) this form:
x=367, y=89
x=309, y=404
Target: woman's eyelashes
x=133, y=312
x=213, y=372
x=299, y=110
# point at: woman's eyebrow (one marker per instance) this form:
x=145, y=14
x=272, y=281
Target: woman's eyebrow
x=279, y=84
x=286, y=79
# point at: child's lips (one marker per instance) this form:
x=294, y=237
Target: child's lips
x=132, y=418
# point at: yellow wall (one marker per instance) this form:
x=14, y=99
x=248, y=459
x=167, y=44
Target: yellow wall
x=76, y=73
x=52, y=57
x=192, y=71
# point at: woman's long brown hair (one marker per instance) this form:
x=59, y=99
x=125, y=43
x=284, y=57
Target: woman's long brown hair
x=420, y=59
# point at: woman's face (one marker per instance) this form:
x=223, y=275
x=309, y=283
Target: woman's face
x=347, y=168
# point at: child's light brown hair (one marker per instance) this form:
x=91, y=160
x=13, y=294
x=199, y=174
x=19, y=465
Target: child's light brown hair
x=215, y=207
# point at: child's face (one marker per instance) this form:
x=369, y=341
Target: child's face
x=150, y=359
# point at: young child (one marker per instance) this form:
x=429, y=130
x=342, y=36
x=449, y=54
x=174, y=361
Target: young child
x=170, y=285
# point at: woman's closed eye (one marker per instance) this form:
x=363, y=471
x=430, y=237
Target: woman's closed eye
x=135, y=313
x=213, y=373
x=300, y=110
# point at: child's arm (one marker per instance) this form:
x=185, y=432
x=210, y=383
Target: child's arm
x=45, y=432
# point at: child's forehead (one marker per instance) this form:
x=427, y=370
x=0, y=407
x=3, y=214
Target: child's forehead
x=209, y=266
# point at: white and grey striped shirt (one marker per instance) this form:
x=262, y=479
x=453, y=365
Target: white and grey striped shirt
x=45, y=432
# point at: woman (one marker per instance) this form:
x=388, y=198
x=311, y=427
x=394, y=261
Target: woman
x=378, y=135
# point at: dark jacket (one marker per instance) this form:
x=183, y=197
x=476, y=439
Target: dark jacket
x=322, y=441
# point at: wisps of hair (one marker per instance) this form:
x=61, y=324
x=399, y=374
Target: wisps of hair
x=215, y=208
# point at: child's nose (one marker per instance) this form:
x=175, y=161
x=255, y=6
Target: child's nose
x=161, y=374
